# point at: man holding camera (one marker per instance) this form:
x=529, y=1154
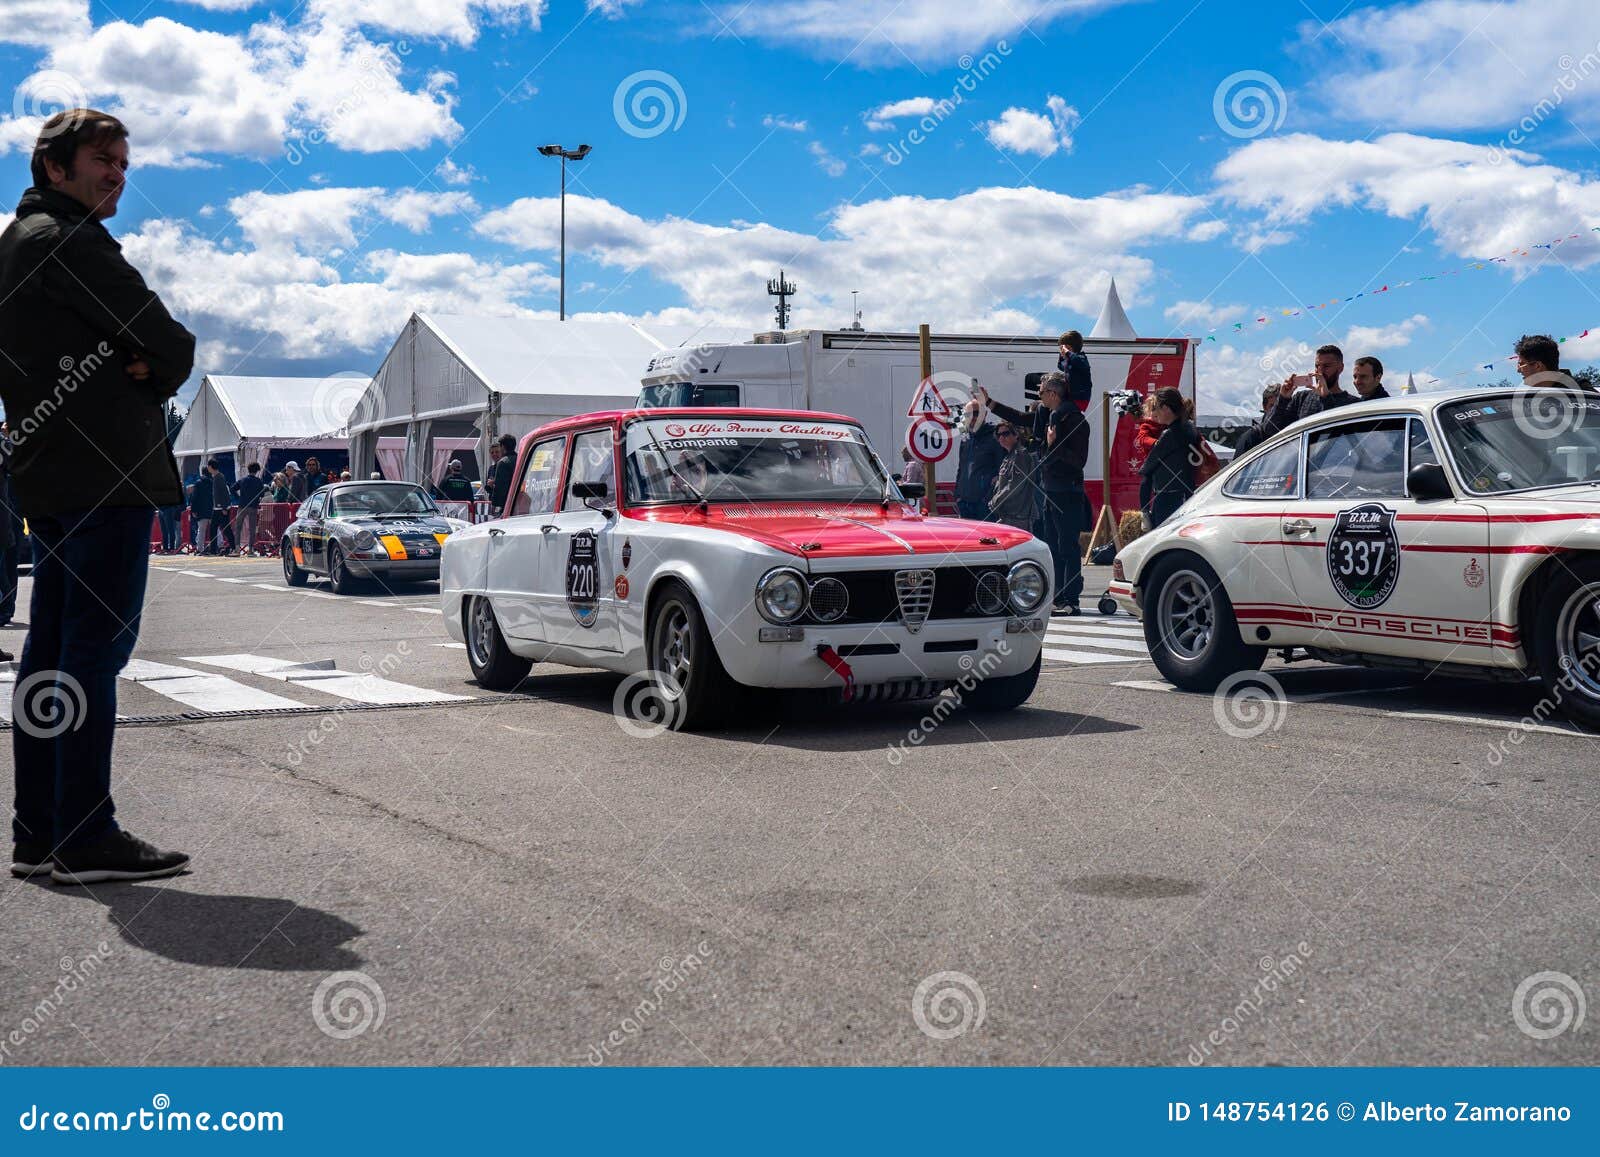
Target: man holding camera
x=1062, y=431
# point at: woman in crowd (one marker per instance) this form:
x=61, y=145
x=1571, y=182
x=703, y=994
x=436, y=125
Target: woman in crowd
x=1015, y=494
x=280, y=488
x=1167, y=476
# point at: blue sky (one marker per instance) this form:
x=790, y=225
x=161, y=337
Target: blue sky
x=307, y=175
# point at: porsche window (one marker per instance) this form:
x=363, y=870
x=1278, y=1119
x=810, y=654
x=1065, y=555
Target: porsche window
x=1524, y=440
x=1273, y=474
x=541, y=482
x=1360, y=460
x=750, y=460
x=380, y=498
x=314, y=505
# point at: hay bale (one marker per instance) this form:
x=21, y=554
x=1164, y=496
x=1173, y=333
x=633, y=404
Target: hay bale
x=1129, y=527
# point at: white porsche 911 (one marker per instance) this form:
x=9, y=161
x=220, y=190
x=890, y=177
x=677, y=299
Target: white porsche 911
x=1454, y=533
x=741, y=548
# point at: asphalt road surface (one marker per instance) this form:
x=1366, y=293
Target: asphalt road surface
x=393, y=866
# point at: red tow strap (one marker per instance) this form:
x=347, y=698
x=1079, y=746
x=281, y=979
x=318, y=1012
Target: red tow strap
x=840, y=668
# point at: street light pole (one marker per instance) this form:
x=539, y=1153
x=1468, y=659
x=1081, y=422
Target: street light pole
x=566, y=155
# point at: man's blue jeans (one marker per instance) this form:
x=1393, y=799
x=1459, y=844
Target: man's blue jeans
x=1063, y=523
x=89, y=569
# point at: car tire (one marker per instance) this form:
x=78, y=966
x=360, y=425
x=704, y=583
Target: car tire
x=339, y=576
x=1566, y=617
x=493, y=664
x=692, y=688
x=1190, y=628
x=292, y=574
x=1006, y=693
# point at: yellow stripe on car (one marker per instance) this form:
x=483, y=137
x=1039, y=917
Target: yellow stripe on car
x=440, y=537
x=393, y=545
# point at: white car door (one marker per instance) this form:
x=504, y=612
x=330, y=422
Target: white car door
x=1373, y=569
x=1239, y=533
x=577, y=598
x=516, y=542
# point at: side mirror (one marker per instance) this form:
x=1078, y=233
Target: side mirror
x=583, y=491
x=1427, y=483
x=913, y=490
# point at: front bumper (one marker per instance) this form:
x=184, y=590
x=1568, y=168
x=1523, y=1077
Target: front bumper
x=412, y=568
x=944, y=651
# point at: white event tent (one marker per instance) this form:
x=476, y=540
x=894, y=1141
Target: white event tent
x=459, y=376
x=251, y=417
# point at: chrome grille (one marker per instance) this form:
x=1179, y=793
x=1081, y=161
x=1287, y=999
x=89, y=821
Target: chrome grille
x=913, y=589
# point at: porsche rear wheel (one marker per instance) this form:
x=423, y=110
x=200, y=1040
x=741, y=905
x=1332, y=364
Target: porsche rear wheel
x=1190, y=628
x=694, y=690
x=292, y=574
x=493, y=664
x=1567, y=639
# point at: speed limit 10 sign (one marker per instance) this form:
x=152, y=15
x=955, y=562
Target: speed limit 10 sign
x=929, y=439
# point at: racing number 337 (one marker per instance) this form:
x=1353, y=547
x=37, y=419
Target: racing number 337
x=1364, y=555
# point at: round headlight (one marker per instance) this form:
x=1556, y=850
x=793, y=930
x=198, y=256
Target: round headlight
x=1027, y=584
x=781, y=595
x=365, y=540
x=830, y=598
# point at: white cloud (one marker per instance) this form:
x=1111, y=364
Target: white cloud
x=882, y=118
x=455, y=20
x=1367, y=339
x=186, y=92
x=1021, y=131
x=994, y=260
x=317, y=220
x=453, y=174
x=788, y=124
x=41, y=23
x=1477, y=201
x=1208, y=230
x=874, y=31
x=826, y=161
x=1457, y=64
x=1192, y=315
x=611, y=9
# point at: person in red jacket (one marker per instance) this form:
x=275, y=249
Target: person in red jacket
x=1147, y=433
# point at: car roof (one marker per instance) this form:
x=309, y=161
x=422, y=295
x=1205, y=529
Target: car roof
x=623, y=417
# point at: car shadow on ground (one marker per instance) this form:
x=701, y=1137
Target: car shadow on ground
x=803, y=720
x=264, y=932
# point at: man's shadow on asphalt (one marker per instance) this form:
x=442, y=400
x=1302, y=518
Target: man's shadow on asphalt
x=262, y=932
x=803, y=720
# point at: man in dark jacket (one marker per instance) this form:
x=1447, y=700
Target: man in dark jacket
x=248, y=490
x=1074, y=363
x=221, y=503
x=1062, y=433
x=455, y=486
x=92, y=357
x=981, y=456
x=1257, y=433
x=503, y=469
x=201, y=498
x=1367, y=378
x=10, y=539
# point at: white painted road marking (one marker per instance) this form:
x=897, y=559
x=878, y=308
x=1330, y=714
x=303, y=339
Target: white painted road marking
x=363, y=687
x=202, y=690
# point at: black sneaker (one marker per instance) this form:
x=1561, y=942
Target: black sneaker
x=1068, y=609
x=30, y=860
x=118, y=856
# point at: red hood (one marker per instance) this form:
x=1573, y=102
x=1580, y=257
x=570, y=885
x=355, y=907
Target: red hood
x=829, y=530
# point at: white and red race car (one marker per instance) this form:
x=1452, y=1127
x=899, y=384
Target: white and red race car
x=712, y=549
x=1456, y=533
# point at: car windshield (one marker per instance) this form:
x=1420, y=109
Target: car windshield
x=750, y=460
x=666, y=395
x=1524, y=440
x=379, y=499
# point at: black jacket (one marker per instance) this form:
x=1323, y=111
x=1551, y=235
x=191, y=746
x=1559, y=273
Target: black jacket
x=202, y=496
x=1169, y=469
x=1060, y=465
x=248, y=491
x=73, y=314
x=1376, y=395
x=980, y=462
x=1080, y=382
x=1302, y=404
x=502, y=481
